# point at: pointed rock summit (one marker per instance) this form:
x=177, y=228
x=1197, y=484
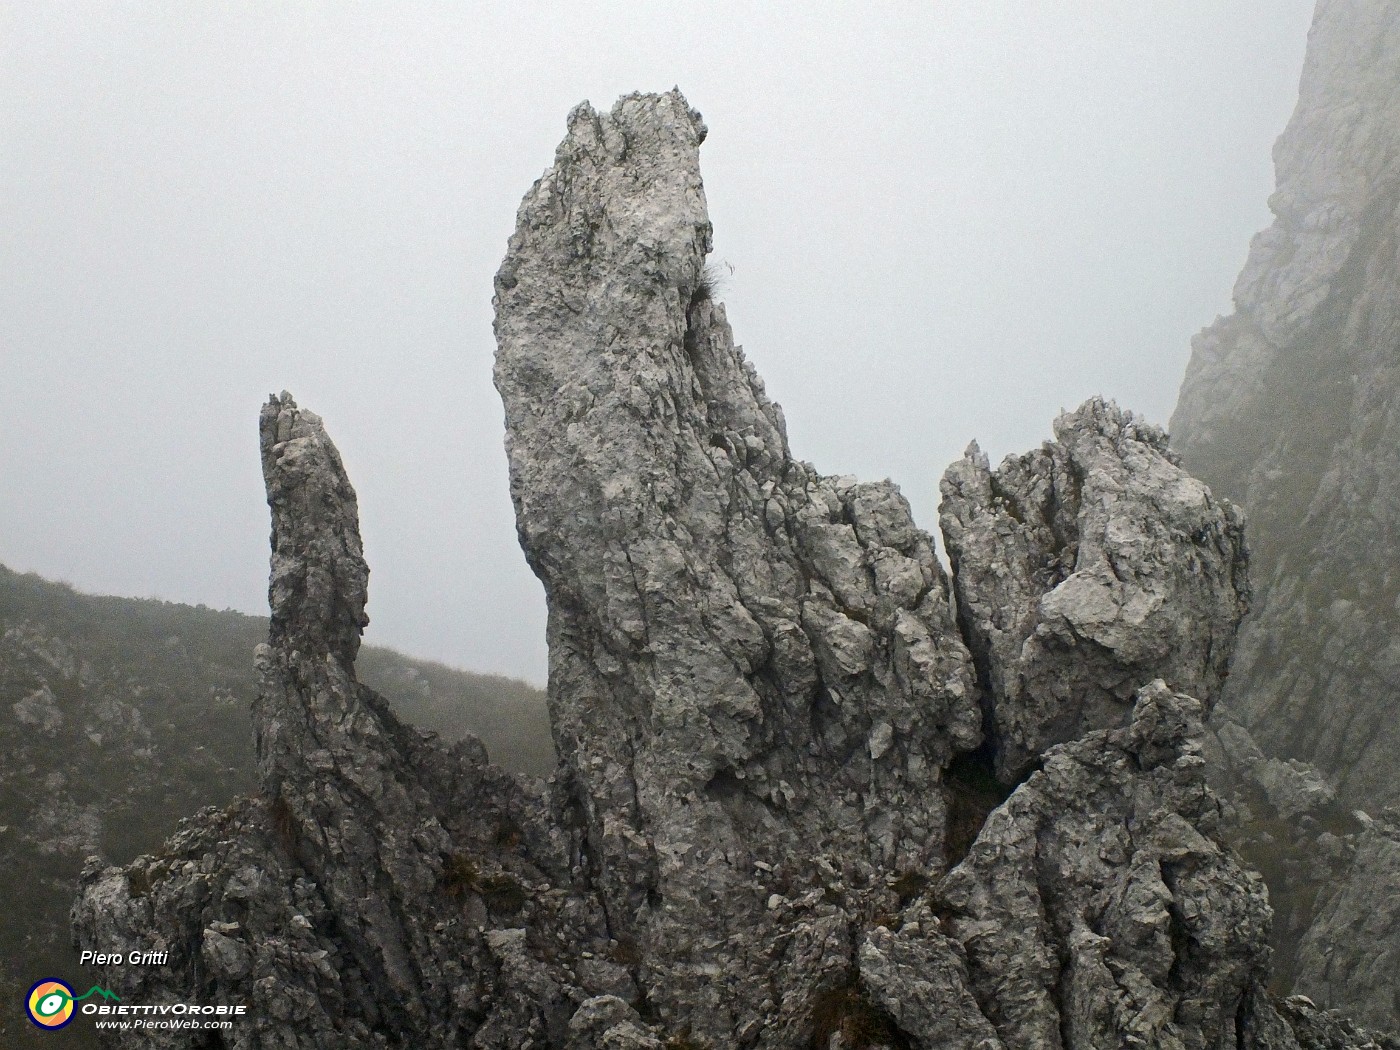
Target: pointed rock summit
x=372, y=893
x=754, y=672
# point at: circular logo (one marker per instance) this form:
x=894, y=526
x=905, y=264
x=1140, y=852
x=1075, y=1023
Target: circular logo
x=50, y=1003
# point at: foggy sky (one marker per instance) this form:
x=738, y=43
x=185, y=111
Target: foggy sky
x=945, y=220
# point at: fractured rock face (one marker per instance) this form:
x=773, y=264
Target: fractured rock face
x=1297, y=1023
x=1286, y=822
x=1085, y=569
x=327, y=748
x=371, y=896
x=1351, y=954
x=1289, y=407
x=1097, y=907
x=732, y=687
x=754, y=674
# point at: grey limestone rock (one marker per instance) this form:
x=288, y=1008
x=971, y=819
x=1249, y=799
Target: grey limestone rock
x=39, y=711
x=609, y=1023
x=1286, y=821
x=119, y=717
x=1350, y=957
x=1289, y=407
x=1298, y=1021
x=755, y=681
x=921, y=978
x=379, y=890
x=755, y=677
x=1085, y=569
x=1098, y=906
x=767, y=721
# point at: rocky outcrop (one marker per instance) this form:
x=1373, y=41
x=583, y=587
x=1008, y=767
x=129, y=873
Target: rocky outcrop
x=119, y=717
x=1286, y=821
x=1298, y=1022
x=1289, y=408
x=774, y=824
x=1096, y=908
x=728, y=636
x=1085, y=569
x=372, y=893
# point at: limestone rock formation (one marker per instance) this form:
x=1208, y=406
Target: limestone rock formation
x=372, y=893
x=772, y=825
x=1298, y=1022
x=1085, y=569
x=1287, y=822
x=754, y=672
x=1289, y=408
x=1096, y=908
x=121, y=716
x=731, y=696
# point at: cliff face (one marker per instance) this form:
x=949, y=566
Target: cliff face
x=777, y=821
x=1289, y=407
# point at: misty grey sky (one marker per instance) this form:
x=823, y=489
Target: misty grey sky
x=946, y=220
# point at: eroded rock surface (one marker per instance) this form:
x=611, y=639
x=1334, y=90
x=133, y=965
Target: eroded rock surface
x=1350, y=956
x=754, y=672
x=1096, y=908
x=369, y=896
x=1289, y=407
x=1084, y=570
x=769, y=729
x=1298, y=1022
x=1285, y=819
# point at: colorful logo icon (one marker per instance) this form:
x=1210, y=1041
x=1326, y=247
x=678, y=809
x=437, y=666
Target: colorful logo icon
x=50, y=1003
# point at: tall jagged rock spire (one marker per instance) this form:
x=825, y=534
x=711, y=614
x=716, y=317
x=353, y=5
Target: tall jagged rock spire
x=318, y=587
x=319, y=584
x=758, y=688
x=373, y=895
x=754, y=672
x=336, y=763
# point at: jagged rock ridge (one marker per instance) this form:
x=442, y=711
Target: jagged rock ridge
x=121, y=716
x=768, y=728
x=370, y=894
